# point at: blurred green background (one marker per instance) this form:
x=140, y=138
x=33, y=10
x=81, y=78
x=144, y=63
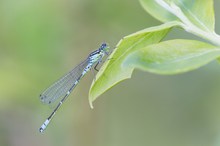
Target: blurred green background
x=40, y=40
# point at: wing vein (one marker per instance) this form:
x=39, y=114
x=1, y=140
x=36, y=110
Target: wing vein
x=63, y=85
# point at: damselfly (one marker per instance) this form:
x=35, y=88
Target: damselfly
x=64, y=86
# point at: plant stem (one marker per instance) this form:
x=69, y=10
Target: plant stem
x=188, y=25
x=210, y=36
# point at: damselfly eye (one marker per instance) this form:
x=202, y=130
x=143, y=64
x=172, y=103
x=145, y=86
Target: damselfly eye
x=103, y=45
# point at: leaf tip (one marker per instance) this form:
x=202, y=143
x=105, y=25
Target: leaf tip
x=90, y=104
x=91, y=99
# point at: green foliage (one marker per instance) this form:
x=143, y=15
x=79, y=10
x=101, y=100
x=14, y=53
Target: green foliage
x=113, y=71
x=199, y=12
x=143, y=49
x=171, y=57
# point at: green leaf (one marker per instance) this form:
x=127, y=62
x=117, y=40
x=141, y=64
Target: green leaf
x=172, y=57
x=198, y=12
x=112, y=70
x=157, y=11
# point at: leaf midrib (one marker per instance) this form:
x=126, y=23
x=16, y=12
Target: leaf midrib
x=194, y=16
x=130, y=48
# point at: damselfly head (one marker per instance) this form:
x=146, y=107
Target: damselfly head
x=104, y=47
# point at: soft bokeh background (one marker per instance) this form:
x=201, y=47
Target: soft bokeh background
x=40, y=40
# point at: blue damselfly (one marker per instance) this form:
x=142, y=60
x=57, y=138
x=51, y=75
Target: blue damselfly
x=64, y=86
